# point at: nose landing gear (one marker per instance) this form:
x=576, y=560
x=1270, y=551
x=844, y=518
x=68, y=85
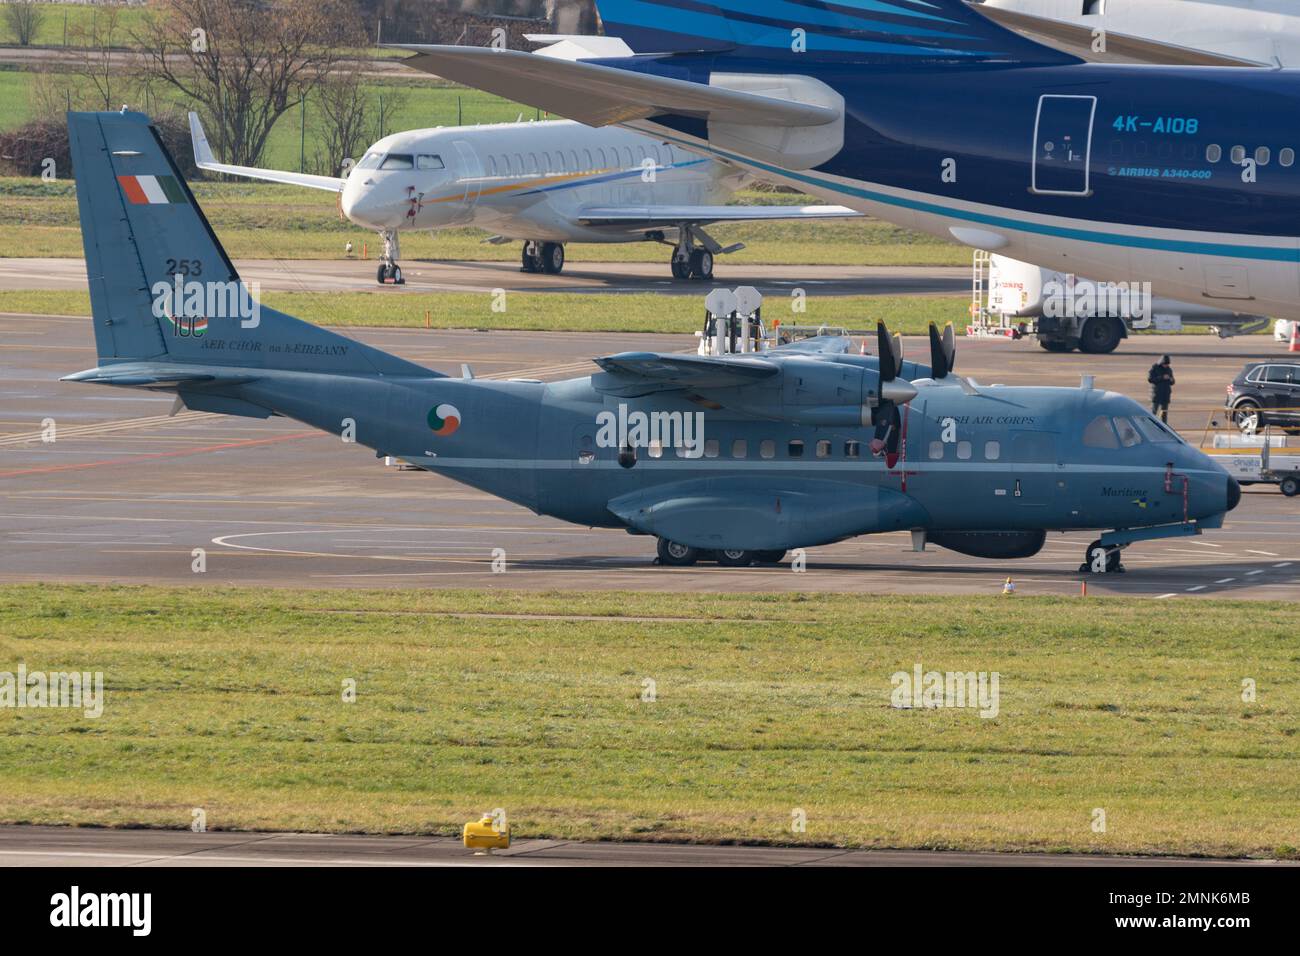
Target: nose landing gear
x=389, y=270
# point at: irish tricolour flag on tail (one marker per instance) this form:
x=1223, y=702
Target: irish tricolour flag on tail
x=150, y=190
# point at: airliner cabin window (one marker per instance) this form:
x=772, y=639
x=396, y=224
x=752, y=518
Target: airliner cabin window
x=1287, y=157
x=796, y=448
x=1213, y=153
x=1238, y=155
x=739, y=448
x=852, y=449
x=823, y=449
x=711, y=448
x=1263, y=155
x=767, y=449
x=963, y=450
x=936, y=450
x=992, y=451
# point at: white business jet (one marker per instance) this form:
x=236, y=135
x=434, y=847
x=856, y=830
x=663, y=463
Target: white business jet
x=547, y=183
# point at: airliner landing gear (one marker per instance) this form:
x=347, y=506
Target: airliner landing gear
x=389, y=270
x=690, y=261
x=545, y=257
x=676, y=555
x=1099, y=559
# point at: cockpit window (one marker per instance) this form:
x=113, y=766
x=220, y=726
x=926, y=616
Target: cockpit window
x=1099, y=434
x=1155, y=431
x=1128, y=433
x=370, y=160
x=398, y=161
x=427, y=161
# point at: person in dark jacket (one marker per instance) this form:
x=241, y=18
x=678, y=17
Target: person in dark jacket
x=1161, y=378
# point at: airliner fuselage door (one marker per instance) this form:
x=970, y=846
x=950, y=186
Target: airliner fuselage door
x=1063, y=144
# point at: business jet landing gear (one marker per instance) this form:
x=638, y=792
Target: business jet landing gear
x=545, y=257
x=1099, y=559
x=389, y=270
x=690, y=261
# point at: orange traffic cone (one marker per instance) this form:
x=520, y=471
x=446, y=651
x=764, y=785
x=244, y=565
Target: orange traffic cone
x=1295, y=337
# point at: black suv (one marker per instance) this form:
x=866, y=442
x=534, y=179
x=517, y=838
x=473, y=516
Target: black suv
x=1267, y=393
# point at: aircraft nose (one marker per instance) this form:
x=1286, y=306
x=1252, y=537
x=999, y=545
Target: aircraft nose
x=1234, y=493
x=360, y=203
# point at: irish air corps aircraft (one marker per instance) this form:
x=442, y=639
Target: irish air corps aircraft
x=735, y=456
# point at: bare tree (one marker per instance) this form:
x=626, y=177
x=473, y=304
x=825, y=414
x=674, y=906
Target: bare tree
x=24, y=18
x=246, y=62
x=105, y=84
x=350, y=119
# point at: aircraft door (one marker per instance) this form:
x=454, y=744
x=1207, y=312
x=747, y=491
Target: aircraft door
x=1063, y=145
x=1034, y=465
x=471, y=172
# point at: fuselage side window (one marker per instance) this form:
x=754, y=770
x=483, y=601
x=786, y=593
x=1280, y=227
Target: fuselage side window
x=852, y=449
x=711, y=448
x=936, y=450
x=655, y=450
x=1287, y=157
x=796, y=448
x=767, y=449
x=740, y=448
x=992, y=450
x=823, y=449
x=963, y=451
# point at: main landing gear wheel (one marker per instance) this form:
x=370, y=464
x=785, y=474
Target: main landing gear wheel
x=676, y=555
x=736, y=559
x=1290, y=486
x=1101, y=335
x=769, y=557
x=681, y=267
x=552, y=258
x=1093, y=563
x=390, y=272
x=701, y=264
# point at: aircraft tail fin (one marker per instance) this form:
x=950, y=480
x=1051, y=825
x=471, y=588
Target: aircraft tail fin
x=162, y=289
x=811, y=31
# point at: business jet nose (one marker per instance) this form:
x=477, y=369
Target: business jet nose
x=361, y=204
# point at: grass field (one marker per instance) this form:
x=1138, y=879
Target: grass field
x=259, y=220
x=230, y=701
x=572, y=312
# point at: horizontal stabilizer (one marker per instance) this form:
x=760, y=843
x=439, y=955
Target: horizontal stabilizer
x=601, y=95
x=699, y=215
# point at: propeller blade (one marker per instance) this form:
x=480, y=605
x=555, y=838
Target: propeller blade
x=943, y=351
x=897, y=349
x=885, y=348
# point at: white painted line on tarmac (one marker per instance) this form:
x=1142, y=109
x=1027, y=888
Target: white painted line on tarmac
x=1199, y=587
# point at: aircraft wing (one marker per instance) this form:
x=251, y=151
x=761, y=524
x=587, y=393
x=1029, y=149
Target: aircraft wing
x=819, y=345
x=649, y=216
x=204, y=159
x=1078, y=39
x=630, y=374
x=601, y=95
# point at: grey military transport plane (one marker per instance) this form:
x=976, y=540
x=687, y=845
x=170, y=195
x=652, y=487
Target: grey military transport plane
x=736, y=457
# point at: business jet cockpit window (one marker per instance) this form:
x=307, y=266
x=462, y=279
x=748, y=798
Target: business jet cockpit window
x=398, y=161
x=370, y=160
x=426, y=161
